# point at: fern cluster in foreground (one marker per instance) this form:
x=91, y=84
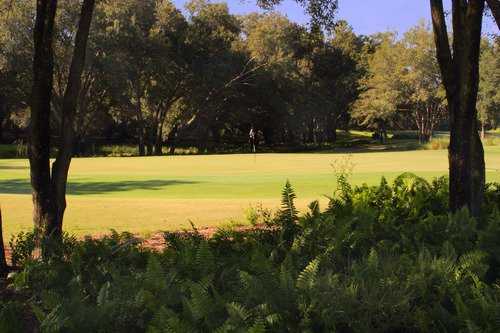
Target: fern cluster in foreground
x=385, y=258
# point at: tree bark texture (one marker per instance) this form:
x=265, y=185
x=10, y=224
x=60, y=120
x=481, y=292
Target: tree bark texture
x=39, y=143
x=49, y=186
x=61, y=165
x=460, y=72
x=4, y=269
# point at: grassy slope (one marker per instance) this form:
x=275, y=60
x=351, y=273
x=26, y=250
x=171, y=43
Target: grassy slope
x=159, y=193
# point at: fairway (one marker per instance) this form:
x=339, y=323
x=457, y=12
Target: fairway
x=144, y=195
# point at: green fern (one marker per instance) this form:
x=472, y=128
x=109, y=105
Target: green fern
x=314, y=208
x=238, y=312
x=387, y=258
x=307, y=278
x=288, y=210
x=200, y=302
x=258, y=327
x=204, y=258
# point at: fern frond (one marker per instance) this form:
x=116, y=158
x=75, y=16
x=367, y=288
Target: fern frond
x=238, y=311
x=307, y=278
x=204, y=258
x=200, y=303
x=273, y=319
x=288, y=210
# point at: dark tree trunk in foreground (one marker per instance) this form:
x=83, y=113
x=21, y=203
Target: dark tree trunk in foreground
x=49, y=188
x=39, y=143
x=60, y=167
x=4, y=269
x=460, y=73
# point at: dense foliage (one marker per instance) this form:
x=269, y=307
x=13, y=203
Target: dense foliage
x=200, y=77
x=403, y=87
x=203, y=77
x=387, y=258
x=489, y=96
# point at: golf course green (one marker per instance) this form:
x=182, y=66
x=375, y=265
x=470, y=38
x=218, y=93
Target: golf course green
x=148, y=194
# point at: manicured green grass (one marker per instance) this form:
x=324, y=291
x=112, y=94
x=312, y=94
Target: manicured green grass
x=148, y=194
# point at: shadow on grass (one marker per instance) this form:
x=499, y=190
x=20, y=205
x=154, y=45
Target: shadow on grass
x=13, y=167
x=22, y=186
x=372, y=148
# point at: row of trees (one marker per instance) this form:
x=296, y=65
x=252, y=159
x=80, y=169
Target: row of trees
x=153, y=74
x=403, y=88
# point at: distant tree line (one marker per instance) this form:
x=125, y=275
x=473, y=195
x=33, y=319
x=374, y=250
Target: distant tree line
x=204, y=77
x=155, y=74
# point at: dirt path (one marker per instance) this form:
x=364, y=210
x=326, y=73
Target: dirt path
x=157, y=242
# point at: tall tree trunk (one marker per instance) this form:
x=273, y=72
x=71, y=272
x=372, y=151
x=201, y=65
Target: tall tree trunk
x=39, y=143
x=172, y=138
x=49, y=189
x=460, y=72
x=150, y=142
x=4, y=269
x=425, y=123
x=61, y=165
x=162, y=117
x=141, y=134
x=478, y=174
x=141, y=144
x=310, y=131
x=159, y=140
x=419, y=120
x=331, y=129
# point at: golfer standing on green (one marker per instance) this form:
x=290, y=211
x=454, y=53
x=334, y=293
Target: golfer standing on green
x=252, y=138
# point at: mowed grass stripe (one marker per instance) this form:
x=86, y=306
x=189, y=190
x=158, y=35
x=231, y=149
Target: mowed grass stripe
x=94, y=216
x=163, y=193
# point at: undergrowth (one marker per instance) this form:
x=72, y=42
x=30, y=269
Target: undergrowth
x=386, y=258
x=443, y=143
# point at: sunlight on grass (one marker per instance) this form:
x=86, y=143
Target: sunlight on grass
x=164, y=193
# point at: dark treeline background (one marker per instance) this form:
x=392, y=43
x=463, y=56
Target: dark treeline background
x=159, y=76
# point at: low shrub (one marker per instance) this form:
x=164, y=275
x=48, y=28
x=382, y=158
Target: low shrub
x=491, y=141
x=10, y=317
x=13, y=151
x=182, y=151
x=443, y=143
x=437, y=144
x=405, y=135
x=387, y=258
x=117, y=151
x=18, y=150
